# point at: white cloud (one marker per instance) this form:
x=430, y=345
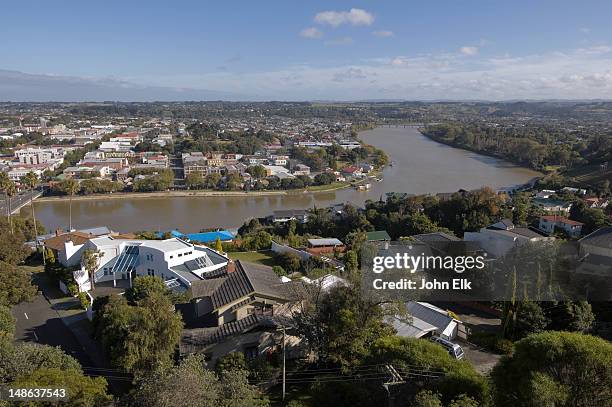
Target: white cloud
x=340, y=41
x=469, y=50
x=585, y=30
x=383, y=34
x=571, y=74
x=311, y=32
x=354, y=16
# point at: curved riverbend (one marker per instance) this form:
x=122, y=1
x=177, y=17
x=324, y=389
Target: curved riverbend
x=420, y=166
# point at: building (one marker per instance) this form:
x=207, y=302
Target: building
x=285, y=215
x=301, y=169
x=175, y=261
x=549, y=223
x=426, y=320
x=39, y=155
x=327, y=245
x=378, y=236
x=498, y=239
x=239, y=311
x=82, y=172
x=553, y=206
x=595, y=253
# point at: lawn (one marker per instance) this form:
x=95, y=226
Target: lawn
x=265, y=257
x=328, y=187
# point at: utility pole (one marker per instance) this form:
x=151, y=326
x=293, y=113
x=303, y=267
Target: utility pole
x=284, y=371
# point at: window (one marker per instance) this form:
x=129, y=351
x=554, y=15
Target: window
x=171, y=256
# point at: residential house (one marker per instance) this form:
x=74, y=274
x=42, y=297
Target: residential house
x=426, y=320
x=285, y=215
x=596, y=254
x=239, y=311
x=498, y=239
x=175, y=261
x=549, y=223
x=553, y=206
x=326, y=245
x=378, y=236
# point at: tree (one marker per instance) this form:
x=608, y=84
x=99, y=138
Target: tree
x=187, y=385
x=289, y=261
x=194, y=180
x=15, y=285
x=4, y=185
x=231, y=361
x=257, y=171
x=559, y=369
x=10, y=190
x=80, y=390
x=411, y=353
x=70, y=187
x=576, y=316
x=427, y=398
x=351, y=263
x=190, y=384
x=218, y=245
x=341, y=325
x=7, y=323
x=31, y=181
x=140, y=338
x=144, y=287
x=89, y=261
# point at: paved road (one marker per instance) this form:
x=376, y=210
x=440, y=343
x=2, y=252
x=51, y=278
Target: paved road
x=37, y=321
x=18, y=201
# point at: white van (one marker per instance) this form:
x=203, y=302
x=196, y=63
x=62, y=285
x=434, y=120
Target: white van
x=453, y=349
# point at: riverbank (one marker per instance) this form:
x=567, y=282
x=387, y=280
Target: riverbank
x=195, y=194
x=476, y=151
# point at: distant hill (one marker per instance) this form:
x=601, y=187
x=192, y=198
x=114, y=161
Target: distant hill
x=17, y=86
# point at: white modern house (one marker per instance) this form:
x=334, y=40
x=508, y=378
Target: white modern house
x=175, y=261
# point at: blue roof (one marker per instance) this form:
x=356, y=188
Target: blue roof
x=206, y=237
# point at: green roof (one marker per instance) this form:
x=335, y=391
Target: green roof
x=377, y=235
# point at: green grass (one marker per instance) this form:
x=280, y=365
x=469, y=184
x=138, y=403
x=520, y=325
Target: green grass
x=265, y=258
x=588, y=174
x=31, y=269
x=332, y=186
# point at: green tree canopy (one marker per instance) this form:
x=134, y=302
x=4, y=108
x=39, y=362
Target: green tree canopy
x=560, y=369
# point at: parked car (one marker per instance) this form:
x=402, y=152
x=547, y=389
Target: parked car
x=453, y=349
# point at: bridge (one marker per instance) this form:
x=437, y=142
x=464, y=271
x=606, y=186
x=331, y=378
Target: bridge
x=18, y=201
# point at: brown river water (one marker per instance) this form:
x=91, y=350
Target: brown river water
x=420, y=166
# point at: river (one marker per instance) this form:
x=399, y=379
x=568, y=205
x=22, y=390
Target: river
x=420, y=166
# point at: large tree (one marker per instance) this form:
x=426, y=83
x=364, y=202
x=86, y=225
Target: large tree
x=192, y=385
x=139, y=338
x=15, y=285
x=560, y=369
x=31, y=181
x=341, y=325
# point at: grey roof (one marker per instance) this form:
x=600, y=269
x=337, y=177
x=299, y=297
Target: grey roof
x=248, y=279
x=97, y=231
x=602, y=237
x=527, y=232
x=436, y=237
x=193, y=340
x=325, y=242
x=429, y=314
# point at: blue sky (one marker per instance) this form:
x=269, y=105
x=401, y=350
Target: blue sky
x=455, y=49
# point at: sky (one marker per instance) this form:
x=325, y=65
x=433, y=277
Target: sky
x=306, y=50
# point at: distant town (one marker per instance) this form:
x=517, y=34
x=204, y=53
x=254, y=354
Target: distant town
x=275, y=311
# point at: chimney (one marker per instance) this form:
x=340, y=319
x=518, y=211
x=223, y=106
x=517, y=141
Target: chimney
x=231, y=267
x=58, y=232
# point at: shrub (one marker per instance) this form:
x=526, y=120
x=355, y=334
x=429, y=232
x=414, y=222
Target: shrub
x=84, y=300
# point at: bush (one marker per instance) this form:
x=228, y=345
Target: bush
x=84, y=300
x=504, y=346
x=279, y=271
x=73, y=289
